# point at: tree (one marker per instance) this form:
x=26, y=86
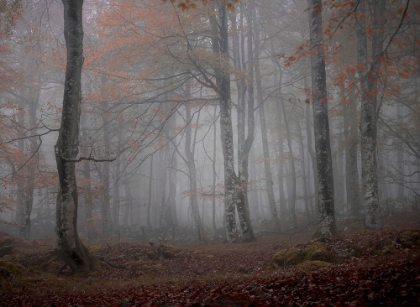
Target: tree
x=368, y=130
x=327, y=226
x=69, y=245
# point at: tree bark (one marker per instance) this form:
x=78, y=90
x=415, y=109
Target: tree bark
x=303, y=168
x=352, y=172
x=69, y=245
x=292, y=191
x=107, y=225
x=189, y=153
x=373, y=219
x=327, y=225
x=149, y=202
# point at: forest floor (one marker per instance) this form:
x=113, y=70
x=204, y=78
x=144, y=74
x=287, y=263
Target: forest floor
x=358, y=268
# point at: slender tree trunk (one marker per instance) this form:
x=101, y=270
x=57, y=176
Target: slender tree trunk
x=292, y=191
x=373, y=219
x=116, y=198
x=214, y=174
x=279, y=116
x=244, y=144
x=163, y=159
x=149, y=202
x=303, y=168
x=266, y=151
x=189, y=153
x=128, y=199
x=352, y=172
x=107, y=226
x=226, y=131
x=76, y=255
x=327, y=225
x=310, y=133
x=400, y=156
x=88, y=200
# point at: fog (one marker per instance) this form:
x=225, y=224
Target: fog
x=153, y=154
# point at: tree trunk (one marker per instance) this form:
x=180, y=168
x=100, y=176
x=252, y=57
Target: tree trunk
x=69, y=245
x=266, y=151
x=292, y=192
x=189, y=153
x=373, y=219
x=327, y=225
x=149, y=202
x=303, y=168
x=312, y=154
x=352, y=172
x=88, y=200
x=107, y=226
x=214, y=174
x=226, y=131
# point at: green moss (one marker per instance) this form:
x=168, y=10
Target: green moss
x=291, y=256
x=316, y=251
x=11, y=268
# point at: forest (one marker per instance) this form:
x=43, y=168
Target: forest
x=209, y=153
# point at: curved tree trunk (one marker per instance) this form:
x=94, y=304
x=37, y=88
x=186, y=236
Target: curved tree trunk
x=69, y=245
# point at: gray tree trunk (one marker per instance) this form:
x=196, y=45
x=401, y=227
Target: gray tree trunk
x=327, y=225
x=292, y=191
x=266, y=151
x=352, y=172
x=373, y=219
x=107, y=225
x=149, y=202
x=189, y=154
x=303, y=168
x=310, y=133
x=226, y=130
x=76, y=255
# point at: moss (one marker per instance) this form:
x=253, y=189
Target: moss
x=389, y=247
x=137, y=265
x=316, y=251
x=291, y=256
x=313, y=251
x=8, y=268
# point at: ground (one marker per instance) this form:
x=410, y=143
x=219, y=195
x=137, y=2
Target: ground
x=358, y=268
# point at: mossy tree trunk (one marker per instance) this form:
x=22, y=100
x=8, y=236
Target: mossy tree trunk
x=69, y=245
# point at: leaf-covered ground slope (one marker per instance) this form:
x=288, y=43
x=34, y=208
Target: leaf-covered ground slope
x=356, y=269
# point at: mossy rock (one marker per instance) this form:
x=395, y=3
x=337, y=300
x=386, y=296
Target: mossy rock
x=8, y=268
x=314, y=263
x=291, y=256
x=317, y=251
x=313, y=251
